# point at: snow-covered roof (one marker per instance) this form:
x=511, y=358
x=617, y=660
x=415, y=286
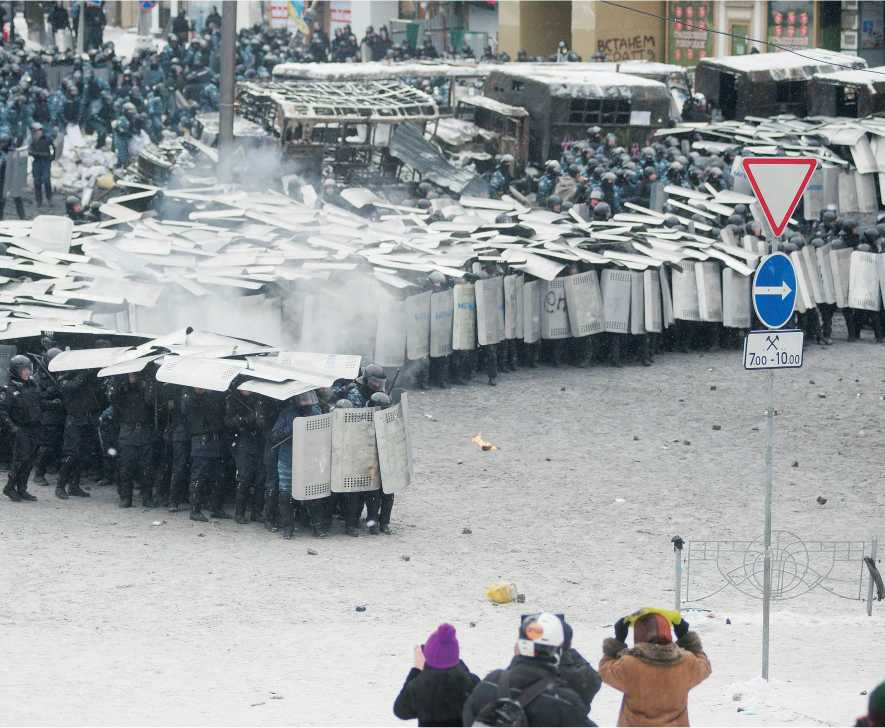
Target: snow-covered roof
x=376, y=70
x=859, y=76
x=786, y=61
x=550, y=75
x=497, y=107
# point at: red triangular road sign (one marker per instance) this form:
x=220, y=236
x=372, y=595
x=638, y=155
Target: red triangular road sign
x=779, y=183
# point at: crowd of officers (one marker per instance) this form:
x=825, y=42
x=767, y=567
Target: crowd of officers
x=178, y=445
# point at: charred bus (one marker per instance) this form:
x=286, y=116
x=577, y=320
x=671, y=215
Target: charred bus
x=446, y=83
x=342, y=130
x=847, y=93
x=766, y=84
x=563, y=104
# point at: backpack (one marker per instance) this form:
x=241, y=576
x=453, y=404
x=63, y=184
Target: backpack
x=505, y=711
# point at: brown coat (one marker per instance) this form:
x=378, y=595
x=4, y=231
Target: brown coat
x=655, y=679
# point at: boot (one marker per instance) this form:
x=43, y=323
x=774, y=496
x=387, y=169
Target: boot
x=269, y=516
x=75, y=489
x=10, y=492
x=24, y=495
x=124, y=490
x=60, y=491
x=286, y=511
x=40, y=479
x=256, y=506
x=240, y=505
x=147, y=500
x=386, y=510
x=196, y=511
x=218, y=502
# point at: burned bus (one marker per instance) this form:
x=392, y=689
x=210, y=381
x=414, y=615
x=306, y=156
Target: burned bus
x=766, y=84
x=847, y=93
x=562, y=105
x=342, y=130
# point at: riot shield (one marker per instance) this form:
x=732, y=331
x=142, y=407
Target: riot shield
x=390, y=335
x=804, y=301
x=812, y=273
x=666, y=298
x=354, y=452
x=583, y=298
x=418, y=326
x=616, y=300
x=16, y=180
x=825, y=270
x=863, y=282
x=490, y=310
x=651, y=284
x=637, y=303
x=513, y=285
x=7, y=351
x=394, y=446
x=441, y=309
x=312, y=457
x=736, y=302
x=709, y=284
x=840, y=263
x=685, y=292
x=464, y=321
x=554, y=310
x=531, y=313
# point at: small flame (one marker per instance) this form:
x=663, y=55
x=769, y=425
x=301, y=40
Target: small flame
x=482, y=444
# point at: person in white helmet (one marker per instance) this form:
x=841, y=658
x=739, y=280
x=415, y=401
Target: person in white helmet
x=531, y=691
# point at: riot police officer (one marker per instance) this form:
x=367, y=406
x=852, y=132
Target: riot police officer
x=82, y=404
x=243, y=418
x=52, y=424
x=204, y=412
x=379, y=505
x=20, y=416
x=133, y=397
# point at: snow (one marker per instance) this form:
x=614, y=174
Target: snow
x=783, y=60
x=109, y=619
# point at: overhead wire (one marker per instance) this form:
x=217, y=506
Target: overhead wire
x=707, y=29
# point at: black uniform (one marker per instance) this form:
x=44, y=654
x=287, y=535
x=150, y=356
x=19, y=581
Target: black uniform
x=52, y=427
x=135, y=409
x=435, y=697
x=20, y=415
x=82, y=404
x=173, y=459
x=205, y=421
x=244, y=418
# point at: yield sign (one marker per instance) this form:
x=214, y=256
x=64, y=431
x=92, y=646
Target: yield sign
x=778, y=183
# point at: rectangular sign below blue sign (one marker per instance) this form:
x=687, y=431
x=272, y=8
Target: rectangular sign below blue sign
x=774, y=349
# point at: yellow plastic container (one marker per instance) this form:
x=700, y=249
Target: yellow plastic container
x=504, y=592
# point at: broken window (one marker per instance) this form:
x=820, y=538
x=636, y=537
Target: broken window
x=593, y=111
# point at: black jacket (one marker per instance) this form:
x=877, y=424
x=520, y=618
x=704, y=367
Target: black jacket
x=558, y=705
x=20, y=404
x=134, y=404
x=435, y=697
x=80, y=395
x=204, y=413
x=53, y=409
x=580, y=676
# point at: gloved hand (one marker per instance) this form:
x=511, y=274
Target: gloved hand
x=681, y=629
x=621, y=630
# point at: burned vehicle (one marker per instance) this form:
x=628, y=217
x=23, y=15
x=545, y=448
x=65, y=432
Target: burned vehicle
x=446, y=83
x=341, y=130
x=766, y=84
x=482, y=128
x=563, y=104
x=847, y=93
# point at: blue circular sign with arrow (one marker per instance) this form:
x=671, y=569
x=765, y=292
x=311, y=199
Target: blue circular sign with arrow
x=774, y=290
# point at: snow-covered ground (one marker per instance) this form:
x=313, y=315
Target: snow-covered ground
x=109, y=619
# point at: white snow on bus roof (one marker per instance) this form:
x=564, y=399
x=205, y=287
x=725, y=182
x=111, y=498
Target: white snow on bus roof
x=551, y=74
x=783, y=60
x=375, y=70
x=859, y=75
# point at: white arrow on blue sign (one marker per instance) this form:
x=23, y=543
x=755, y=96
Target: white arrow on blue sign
x=774, y=290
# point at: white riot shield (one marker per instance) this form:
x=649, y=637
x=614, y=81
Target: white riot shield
x=554, y=310
x=394, y=446
x=867, y=201
x=490, y=310
x=616, y=300
x=464, y=321
x=441, y=310
x=637, y=303
x=666, y=298
x=390, y=335
x=312, y=457
x=513, y=285
x=651, y=283
x=418, y=326
x=812, y=273
x=804, y=300
x=16, y=181
x=709, y=282
x=840, y=263
x=847, y=193
x=825, y=270
x=813, y=197
x=685, y=293
x=354, y=452
x=880, y=258
x=583, y=298
x=863, y=282
x=736, y=301
x=531, y=312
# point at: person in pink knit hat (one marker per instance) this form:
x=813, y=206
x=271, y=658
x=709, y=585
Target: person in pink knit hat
x=439, y=683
